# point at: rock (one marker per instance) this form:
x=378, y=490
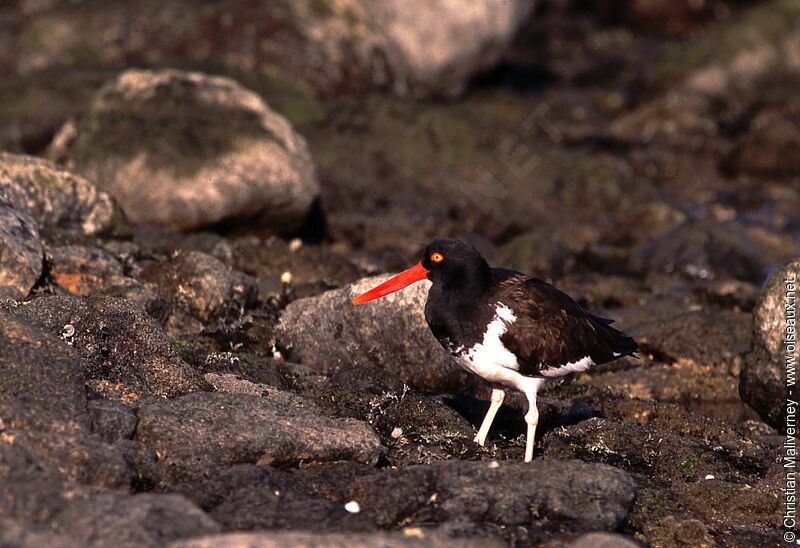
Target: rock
x=204, y=286
x=19, y=534
x=56, y=199
x=545, y=495
x=66, y=448
x=118, y=343
x=187, y=150
x=409, y=538
x=200, y=432
x=39, y=369
x=763, y=379
x=771, y=146
x=112, y=421
x=29, y=489
x=390, y=333
x=132, y=521
x=604, y=540
x=435, y=47
x=21, y=251
x=250, y=497
x=533, y=253
x=671, y=531
x=84, y=270
x=229, y=383
x=705, y=249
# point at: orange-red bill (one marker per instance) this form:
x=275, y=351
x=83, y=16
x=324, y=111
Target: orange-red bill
x=407, y=277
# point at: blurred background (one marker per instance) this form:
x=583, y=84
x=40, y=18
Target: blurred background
x=226, y=158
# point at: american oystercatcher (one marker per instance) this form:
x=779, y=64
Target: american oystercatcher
x=508, y=328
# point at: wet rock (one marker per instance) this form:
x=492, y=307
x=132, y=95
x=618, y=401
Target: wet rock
x=112, y=421
x=118, y=343
x=39, y=369
x=21, y=251
x=762, y=384
x=204, y=286
x=390, y=333
x=705, y=249
x=437, y=46
x=56, y=199
x=545, y=495
x=710, y=338
x=204, y=431
x=132, y=521
x=229, y=157
x=20, y=534
x=410, y=538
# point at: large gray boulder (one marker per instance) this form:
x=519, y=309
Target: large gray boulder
x=436, y=46
x=763, y=379
x=332, y=334
x=54, y=198
x=203, y=432
x=185, y=150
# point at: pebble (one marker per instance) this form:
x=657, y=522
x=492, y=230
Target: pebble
x=352, y=507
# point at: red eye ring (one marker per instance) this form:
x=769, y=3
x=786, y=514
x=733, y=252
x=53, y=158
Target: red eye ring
x=437, y=257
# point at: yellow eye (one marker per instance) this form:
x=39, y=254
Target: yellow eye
x=437, y=257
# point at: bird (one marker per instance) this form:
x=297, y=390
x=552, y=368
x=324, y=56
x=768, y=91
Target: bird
x=513, y=330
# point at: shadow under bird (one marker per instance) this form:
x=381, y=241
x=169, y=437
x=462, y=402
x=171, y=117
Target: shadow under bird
x=513, y=330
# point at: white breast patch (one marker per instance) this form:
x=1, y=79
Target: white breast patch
x=489, y=358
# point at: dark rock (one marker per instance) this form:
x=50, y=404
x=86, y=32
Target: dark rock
x=204, y=431
x=19, y=534
x=111, y=420
x=68, y=447
x=706, y=249
x=56, y=199
x=39, y=369
x=118, y=343
x=29, y=489
x=21, y=251
x=390, y=333
x=132, y=521
x=763, y=379
x=708, y=338
x=771, y=146
x=204, y=286
x=229, y=156
x=546, y=495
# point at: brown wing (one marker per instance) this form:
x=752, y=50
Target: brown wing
x=551, y=330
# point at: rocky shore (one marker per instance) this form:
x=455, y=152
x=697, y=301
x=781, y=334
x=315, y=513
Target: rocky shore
x=190, y=196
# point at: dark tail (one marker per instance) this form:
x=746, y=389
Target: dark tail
x=619, y=342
